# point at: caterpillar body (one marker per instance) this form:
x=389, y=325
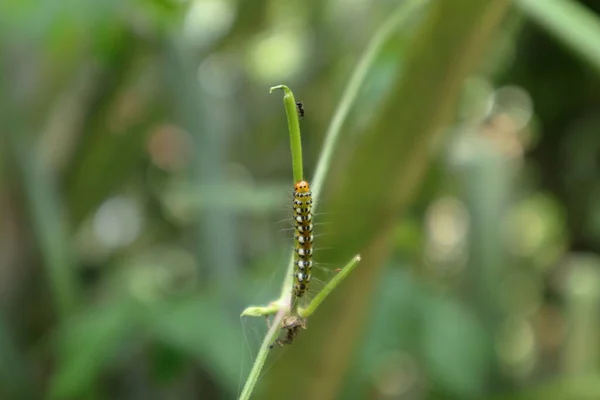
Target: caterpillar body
x=303, y=237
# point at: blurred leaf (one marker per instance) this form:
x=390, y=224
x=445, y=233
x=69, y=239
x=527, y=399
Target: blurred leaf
x=168, y=363
x=393, y=325
x=571, y=23
x=88, y=342
x=196, y=326
x=537, y=230
x=190, y=107
x=486, y=178
x=455, y=349
x=116, y=124
x=185, y=201
x=584, y=387
x=582, y=292
x=15, y=380
x=45, y=207
x=409, y=238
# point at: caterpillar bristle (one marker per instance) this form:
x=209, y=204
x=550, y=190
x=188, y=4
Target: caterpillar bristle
x=292, y=222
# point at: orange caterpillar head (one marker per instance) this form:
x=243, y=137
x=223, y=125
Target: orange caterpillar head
x=302, y=187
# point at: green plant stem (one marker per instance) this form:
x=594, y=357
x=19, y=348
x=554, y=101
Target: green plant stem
x=289, y=276
x=291, y=112
x=319, y=298
x=359, y=75
x=332, y=136
x=294, y=127
x=406, y=10
x=255, y=311
x=261, y=357
x=445, y=47
x=282, y=311
x=323, y=165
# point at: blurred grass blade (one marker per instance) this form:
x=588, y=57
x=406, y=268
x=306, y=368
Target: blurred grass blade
x=570, y=22
x=217, y=247
x=486, y=184
x=46, y=215
x=88, y=342
x=186, y=201
x=583, y=305
x=399, y=17
x=581, y=387
x=193, y=326
x=41, y=194
x=108, y=150
x=15, y=382
x=485, y=177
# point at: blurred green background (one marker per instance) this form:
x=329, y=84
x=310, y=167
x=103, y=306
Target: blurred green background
x=145, y=174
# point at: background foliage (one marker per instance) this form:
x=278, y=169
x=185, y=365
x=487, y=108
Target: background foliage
x=144, y=172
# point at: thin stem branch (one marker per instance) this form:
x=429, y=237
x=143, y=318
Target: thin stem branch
x=406, y=10
x=257, y=311
x=261, y=357
x=294, y=127
x=357, y=79
x=319, y=298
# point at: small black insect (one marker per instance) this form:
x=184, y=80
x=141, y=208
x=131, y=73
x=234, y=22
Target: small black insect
x=300, y=109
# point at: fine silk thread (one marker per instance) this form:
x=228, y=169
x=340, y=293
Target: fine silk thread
x=303, y=237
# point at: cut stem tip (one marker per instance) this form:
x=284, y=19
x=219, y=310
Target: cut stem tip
x=280, y=87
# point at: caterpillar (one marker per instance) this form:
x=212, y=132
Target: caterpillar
x=303, y=237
